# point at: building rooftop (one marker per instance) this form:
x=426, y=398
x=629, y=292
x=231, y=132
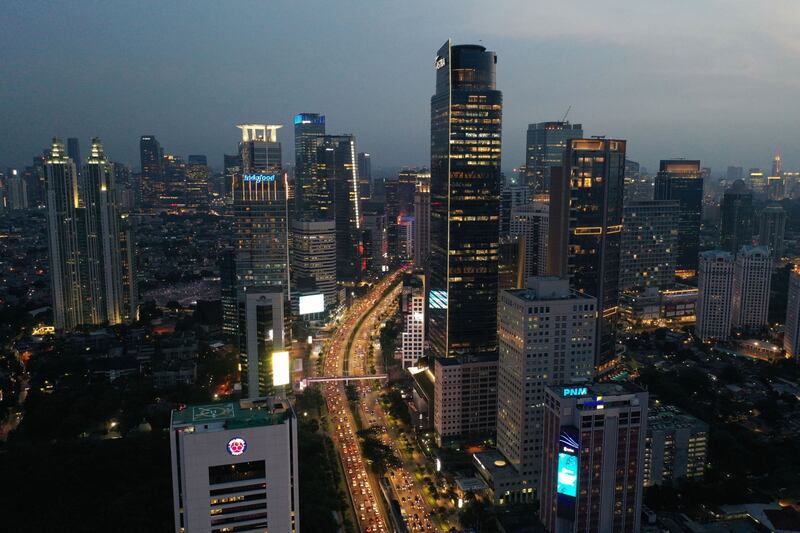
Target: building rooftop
x=670, y=417
x=230, y=415
x=544, y=288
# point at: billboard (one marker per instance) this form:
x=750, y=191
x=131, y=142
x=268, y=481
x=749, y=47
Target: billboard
x=437, y=299
x=312, y=303
x=280, y=369
x=567, y=473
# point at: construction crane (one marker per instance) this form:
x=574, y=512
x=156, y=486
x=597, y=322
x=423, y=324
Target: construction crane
x=564, y=118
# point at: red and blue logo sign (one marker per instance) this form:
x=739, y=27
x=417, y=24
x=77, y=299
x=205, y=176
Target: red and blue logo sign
x=237, y=446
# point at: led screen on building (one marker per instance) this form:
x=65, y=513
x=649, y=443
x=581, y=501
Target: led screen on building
x=313, y=303
x=567, y=475
x=280, y=369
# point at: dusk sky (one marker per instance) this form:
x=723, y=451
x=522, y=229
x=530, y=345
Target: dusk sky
x=716, y=80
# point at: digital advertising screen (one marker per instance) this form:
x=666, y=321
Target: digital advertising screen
x=280, y=369
x=567, y=475
x=312, y=303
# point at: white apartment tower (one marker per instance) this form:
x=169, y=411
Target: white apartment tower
x=751, y=285
x=413, y=336
x=234, y=468
x=715, y=295
x=546, y=337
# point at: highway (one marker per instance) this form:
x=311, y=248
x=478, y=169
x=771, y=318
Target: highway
x=363, y=491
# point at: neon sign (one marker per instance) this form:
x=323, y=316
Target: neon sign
x=575, y=391
x=259, y=178
x=237, y=446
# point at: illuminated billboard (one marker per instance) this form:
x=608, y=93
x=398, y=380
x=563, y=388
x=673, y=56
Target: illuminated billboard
x=313, y=303
x=437, y=299
x=567, y=475
x=280, y=369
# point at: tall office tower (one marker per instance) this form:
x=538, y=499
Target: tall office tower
x=772, y=227
x=680, y=180
x=196, y=186
x=736, y=217
x=546, y=334
x=734, y=173
x=715, y=295
x=406, y=187
x=510, y=197
x=649, y=238
x=374, y=236
x=235, y=467
x=127, y=194
x=364, y=176
x=260, y=335
x=127, y=249
x=545, y=147
x=509, y=271
x=227, y=291
x=675, y=447
x=757, y=180
x=594, y=443
x=103, y=285
x=171, y=193
x=752, y=279
x=66, y=248
x=307, y=128
x=791, y=336
x=74, y=151
x=466, y=114
x=151, y=156
x=16, y=191
x=777, y=165
x=638, y=185
x=412, y=306
x=232, y=168
x=338, y=165
x=313, y=260
x=260, y=204
x=530, y=223
x=422, y=219
x=392, y=210
x=586, y=227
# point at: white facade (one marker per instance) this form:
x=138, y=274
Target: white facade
x=234, y=468
x=413, y=336
x=715, y=295
x=546, y=337
x=791, y=336
x=531, y=223
x=261, y=332
x=751, y=286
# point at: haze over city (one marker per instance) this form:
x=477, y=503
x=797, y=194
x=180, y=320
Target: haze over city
x=715, y=80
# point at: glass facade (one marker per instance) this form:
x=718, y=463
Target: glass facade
x=546, y=143
x=681, y=180
x=466, y=114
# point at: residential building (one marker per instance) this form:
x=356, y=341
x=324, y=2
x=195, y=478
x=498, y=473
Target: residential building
x=649, y=240
x=736, y=217
x=752, y=277
x=791, y=333
x=412, y=307
x=772, y=228
x=715, y=295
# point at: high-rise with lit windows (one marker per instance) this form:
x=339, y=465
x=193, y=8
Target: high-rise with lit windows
x=681, y=180
x=752, y=280
x=715, y=295
x=545, y=147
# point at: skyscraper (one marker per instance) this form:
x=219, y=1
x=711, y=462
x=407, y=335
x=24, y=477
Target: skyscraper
x=412, y=306
x=752, y=277
x=364, y=175
x=586, y=227
x=736, y=217
x=422, y=219
x=593, y=469
x=791, y=336
x=231, y=461
x=74, y=151
x=196, y=187
x=307, y=128
x=313, y=261
x=466, y=116
x=88, y=268
x=649, y=238
x=715, y=295
x=260, y=202
x=530, y=223
x=510, y=197
x=545, y=147
x=16, y=191
x=260, y=334
x=547, y=334
x=151, y=157
x=681, y=180
x=61, y=199
x=772, y=227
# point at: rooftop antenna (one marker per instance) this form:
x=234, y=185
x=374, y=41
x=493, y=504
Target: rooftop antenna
x=564, y=118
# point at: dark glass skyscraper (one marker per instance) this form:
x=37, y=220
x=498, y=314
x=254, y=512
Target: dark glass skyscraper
x=308, y=127
x=586, y=227
x=545, y=146
x=466, y=115
x=736, y=218
x=151, y=156
x=680, y=179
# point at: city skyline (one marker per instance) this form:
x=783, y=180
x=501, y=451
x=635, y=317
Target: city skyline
x=693, y=101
